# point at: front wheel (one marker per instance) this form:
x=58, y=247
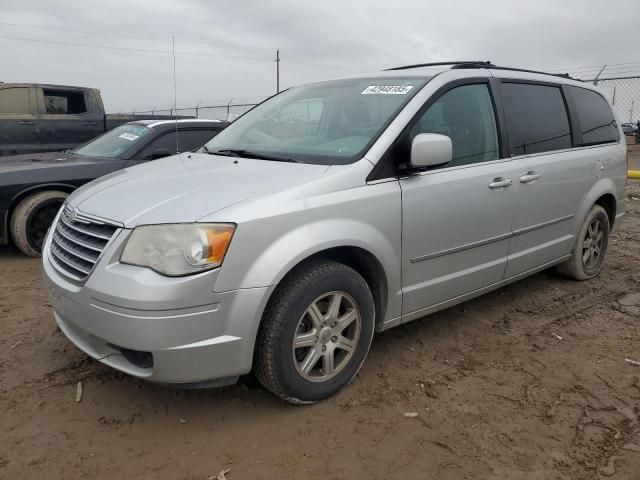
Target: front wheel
x=590, y=248
x=315, y=333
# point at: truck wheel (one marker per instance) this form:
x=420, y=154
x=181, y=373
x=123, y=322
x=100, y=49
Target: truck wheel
x=32, y=218
x=590, y=248
x=315, y=333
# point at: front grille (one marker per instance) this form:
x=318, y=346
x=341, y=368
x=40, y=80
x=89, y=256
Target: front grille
x=77, y=243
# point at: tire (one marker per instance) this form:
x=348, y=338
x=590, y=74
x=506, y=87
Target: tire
x=577, y=267
x=32, y=218
x=289, y=371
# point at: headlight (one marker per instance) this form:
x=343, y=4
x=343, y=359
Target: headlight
x=178, y=249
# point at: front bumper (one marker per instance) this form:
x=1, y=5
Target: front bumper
x=192, y=334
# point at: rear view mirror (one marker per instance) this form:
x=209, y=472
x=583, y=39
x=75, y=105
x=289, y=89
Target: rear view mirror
x=159, y=153
x=430, y=149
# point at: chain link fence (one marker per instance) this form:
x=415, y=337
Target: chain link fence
x=624, y=95
x=224, y=111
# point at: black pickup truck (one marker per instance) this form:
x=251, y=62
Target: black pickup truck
x=46, y=118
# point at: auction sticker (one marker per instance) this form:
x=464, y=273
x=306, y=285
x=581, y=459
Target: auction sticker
x=128, y=136
x=387, y=90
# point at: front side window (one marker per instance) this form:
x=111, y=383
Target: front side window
x=325, y=123
x=464, y=114
x=536, y=117
x=114, y=143
x=14, y=100
x=64, y=102
x=597, y=123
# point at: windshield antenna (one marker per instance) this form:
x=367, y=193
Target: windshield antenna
x=175, y=90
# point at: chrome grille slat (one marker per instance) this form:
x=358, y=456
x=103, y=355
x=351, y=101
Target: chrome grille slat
x=69, y=247
x=85, y=231
x=69, y=260
x=77, y=243
x=68, y=270
x=61, y=231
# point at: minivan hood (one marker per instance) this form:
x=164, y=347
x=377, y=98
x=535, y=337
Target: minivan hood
x=185, y=188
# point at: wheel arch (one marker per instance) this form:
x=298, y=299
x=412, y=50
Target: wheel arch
x=603, y=194
x=22, y=194
x=362, y=261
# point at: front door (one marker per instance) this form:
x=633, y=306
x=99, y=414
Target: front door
x=456, y=219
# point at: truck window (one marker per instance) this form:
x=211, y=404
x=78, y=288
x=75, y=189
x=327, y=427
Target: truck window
x=64, y=102
x=597, y=123
x=537, y=118
x=14, y=100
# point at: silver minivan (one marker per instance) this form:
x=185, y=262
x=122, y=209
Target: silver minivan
x=330, y=211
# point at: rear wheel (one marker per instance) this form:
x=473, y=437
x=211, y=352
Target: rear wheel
x=591, y=246
x=32, y=218
x=315, y=333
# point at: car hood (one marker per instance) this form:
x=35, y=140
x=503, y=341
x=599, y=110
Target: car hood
x=32, y=161
x=185, y=188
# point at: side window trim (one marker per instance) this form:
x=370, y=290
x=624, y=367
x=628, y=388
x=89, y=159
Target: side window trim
x=574, y=120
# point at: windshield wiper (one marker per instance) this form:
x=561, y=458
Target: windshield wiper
x=248, y=154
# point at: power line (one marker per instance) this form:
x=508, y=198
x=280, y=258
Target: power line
x=102, y=34
x=130, y=49
x=167, y=40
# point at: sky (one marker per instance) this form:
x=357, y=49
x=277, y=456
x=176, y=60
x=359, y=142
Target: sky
x=225, y=49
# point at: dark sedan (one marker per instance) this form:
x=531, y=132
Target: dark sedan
x=34, y=186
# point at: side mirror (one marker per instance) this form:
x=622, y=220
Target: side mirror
x=159, y=153
x=430, y=149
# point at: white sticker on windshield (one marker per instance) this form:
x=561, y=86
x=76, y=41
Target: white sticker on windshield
x=387, y=90
x=128, y=136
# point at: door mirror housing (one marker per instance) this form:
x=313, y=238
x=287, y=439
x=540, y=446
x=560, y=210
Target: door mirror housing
x=160, y=153
x=430, y=149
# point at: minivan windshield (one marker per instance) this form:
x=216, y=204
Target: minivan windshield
x=115, y=142
x=324, y=123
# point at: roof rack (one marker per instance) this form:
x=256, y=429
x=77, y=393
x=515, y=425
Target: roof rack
x=440, y=64
x=480, y=64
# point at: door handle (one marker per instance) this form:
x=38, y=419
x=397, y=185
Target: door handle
x=529, y=177
x=26, y=122
x=500, y=182
x=90, y=124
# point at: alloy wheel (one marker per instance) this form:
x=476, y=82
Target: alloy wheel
x=326, y=336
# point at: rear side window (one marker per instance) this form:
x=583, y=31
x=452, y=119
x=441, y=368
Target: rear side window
x=536, y=117
x=14, y=100
x=64, y=102
x=597, y=123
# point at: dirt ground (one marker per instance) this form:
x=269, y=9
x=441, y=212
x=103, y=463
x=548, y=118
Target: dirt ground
x=527, y=382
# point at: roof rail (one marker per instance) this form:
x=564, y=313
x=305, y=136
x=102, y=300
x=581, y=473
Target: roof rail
x=480, y=64
x=513, y=69
x=440, y=64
